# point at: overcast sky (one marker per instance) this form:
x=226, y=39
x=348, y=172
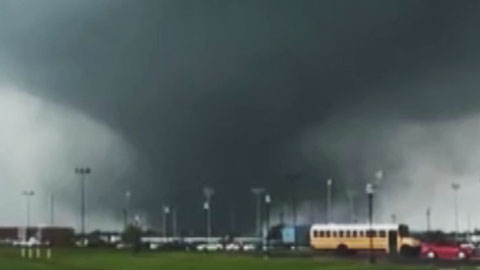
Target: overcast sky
x=165, y=97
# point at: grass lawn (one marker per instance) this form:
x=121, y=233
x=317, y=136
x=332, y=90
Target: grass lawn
x=98, y=259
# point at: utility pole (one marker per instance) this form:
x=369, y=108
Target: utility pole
x=82, y=172
x=258, y=192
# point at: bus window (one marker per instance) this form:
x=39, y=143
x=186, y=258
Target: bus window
x=382, y=234
x=315, y=233
x=360, y=234
x=371, y=233
x=327, y=234
x=322, y=233
x=334, y=234
x=340, y=234
x=347, y=234
x=354, y=234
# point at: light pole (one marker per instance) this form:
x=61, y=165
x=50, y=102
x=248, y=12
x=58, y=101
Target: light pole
x=166, y=213
x=293, y=178
x=428, y=213
x=456, y=187
x=268, y=201
x=126, y=213
x=174, y=222
x=206, y=208
x=281, y=215
x=351, y=198
x=52, y=210
x=232, y=219
x=208, y=192
x=329, y=199
x=258, y=192
x=379, y=175
x=394, y=218
x=370, y=190
x=28, y=194
x=312, y=211
x=82, y=172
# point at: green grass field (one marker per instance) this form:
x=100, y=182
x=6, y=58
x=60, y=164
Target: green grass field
x=95, y=259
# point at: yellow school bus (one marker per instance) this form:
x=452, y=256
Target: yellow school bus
x=391, y=238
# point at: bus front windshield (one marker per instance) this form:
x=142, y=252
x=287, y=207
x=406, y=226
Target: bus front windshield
x=403, y=231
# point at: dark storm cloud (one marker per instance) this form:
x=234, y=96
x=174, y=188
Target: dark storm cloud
x=220, y=93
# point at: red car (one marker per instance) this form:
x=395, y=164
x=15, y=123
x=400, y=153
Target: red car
x=446, y=250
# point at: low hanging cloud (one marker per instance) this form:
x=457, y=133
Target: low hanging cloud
x=41, y=143
x=165, y=98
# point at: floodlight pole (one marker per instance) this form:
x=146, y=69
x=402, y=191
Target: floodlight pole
x=52, y=210
x=28, y=194
x=293, y=178
x=83, y=203
x=208, y=192
x=394, y=218
x=268, y=201
x=166, y=213
x=258, y=192
x=351, y=197
x=174, y=222
x=126, y=213
x=206, y=207
x=82, y=172
x=456, y=187
x=329, y=199
x=428, y=213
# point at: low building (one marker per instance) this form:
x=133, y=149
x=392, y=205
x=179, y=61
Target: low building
x=56, y=236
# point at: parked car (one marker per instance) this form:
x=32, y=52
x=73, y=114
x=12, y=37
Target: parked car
x=122, y=245
x=446, y=250
x=233, y=247
x=249, y=247
x=210, y=247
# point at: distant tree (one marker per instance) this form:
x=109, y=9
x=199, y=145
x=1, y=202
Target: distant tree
x=132, y=236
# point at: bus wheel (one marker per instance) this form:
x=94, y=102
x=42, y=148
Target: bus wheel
x=342, y=250
x=406, y=251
